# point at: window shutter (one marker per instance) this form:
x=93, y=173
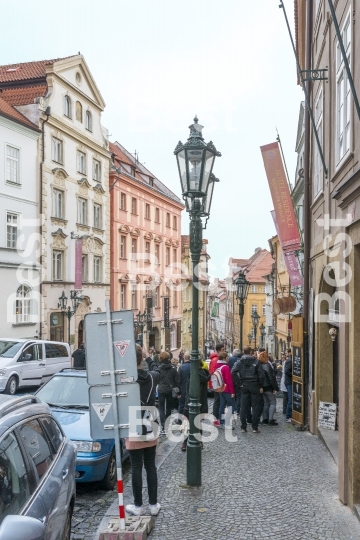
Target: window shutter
x=178, y=337
x=167, y=338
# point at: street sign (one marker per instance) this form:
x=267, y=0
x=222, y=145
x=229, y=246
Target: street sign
x=102, y=413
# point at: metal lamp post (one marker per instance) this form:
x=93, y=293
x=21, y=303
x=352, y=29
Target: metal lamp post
x=242, y=288
x=255, y=320
x=195, y=160
x=262, y=333
x=142, y=320
x=66, y=310
x=249, y=336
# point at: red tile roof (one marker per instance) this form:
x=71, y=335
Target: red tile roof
x=26, y=70
x=23, y=95
x=119, y=155
x=260, y=266
x=7, y=110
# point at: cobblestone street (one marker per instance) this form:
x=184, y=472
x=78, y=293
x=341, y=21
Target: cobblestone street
x=280, y=484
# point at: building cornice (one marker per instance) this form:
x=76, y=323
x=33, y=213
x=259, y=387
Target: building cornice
x=10, y=123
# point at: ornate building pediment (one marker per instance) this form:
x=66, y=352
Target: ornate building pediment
x=175, y=243
x=148, y=236
x=59, y=239
x=59, y=172
x=168, y=242
x=84, y=183
x=125, y=229
x=98, y=188
x=158, y=238
x=135, y=232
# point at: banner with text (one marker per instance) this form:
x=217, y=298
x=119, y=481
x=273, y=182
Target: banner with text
x=291, y=261
x=166, y=312
x=78, y=264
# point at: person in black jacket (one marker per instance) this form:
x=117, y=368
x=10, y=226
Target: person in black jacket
x=288, y=383
x=269, y=390
x=184, y=373
x=248, y=375
x=169, y=379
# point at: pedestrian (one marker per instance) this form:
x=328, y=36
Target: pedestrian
x=141, y=452
x=261, y=401
x=184, y=374
x=181, y=356
x=169, y=379
x=156, y=356
x=288, y=383
x=204, y=377
x=249, y=374
x=79, y=357
x=228, y=394
x=236, y=354
x=169, y=353
x=283, y=388
x=269, y=390
x=214, y=357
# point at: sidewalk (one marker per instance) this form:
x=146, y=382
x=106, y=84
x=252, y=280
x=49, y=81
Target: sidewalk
x=280, y=484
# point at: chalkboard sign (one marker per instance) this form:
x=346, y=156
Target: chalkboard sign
x=327, y=415
x=297, y=363
x=297, y=397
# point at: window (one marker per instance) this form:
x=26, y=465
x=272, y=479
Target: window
x=23, y=304
x=157, y=297
x=174, y=298
x=57, y=150
x=84, y=268
x=122, y=247
x=157, y=254
x=97, y=269
x=167, y=256
x=133, y=205
x=79, y=115
x=123, y=297
x=97, y=216
x=318, y=166
x=133, y=249
x=175, y=223
x=253, y=308
x=53, y=431
x=133, y=298
x=264, y=288
x=172, y=336
x=157, y=215
x=88, y=121
x=174, y=256
x=81, y=162
x=343, y=94
x=16, y=488
x=147, y=211
x=167, y=219
x=254, y=288
x=151, y=181
x=57, y=265
x=264, y=310
x=12, y=164
x=96, y=170
x=36, y=446
x=82, y=204
x=12, y=227
x=54, y=350
x=67, y=106
x=132, y=171
x=58, y=203
x=147, y=248
x=122, y=201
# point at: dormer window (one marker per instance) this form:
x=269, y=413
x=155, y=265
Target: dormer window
x=132, y=171
x=88, y=121
x=67, y=106
x=151, y=181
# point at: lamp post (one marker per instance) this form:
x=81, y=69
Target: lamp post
x=255, y=320
x=262, y=333
x=242, y=288
x=195, y=160
x=142, y=320
x=66, y=310
x=249, y=336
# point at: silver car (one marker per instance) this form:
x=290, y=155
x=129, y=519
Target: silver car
x=37, y=472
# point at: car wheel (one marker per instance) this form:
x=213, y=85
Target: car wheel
x=11, y=386
x=67, y=526
x=109, y=480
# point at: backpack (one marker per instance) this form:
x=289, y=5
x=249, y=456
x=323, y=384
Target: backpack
x=217, y=380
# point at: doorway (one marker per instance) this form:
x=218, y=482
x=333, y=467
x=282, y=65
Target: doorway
x=81, y=333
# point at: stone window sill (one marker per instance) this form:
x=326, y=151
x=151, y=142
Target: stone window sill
x=24, y=324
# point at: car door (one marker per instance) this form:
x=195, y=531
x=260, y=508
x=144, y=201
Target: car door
x=32, y=365
x=57, y=358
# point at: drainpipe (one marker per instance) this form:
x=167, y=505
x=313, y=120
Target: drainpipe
x=307, y=220
x=47, y=112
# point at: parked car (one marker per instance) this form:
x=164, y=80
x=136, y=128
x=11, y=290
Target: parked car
x=25, y=362
x=37, y=472
x=67, y=394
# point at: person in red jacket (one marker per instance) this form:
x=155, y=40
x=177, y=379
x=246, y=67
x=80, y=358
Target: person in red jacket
x=227, y=396
x=214, y=357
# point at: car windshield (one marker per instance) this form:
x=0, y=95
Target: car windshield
x=8, y=349
x=65, y=391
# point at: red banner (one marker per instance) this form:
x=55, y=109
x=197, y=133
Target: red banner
x=288, y=231
x=291, y=261
x=78, y=264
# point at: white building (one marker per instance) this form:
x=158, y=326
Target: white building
x=19, y=209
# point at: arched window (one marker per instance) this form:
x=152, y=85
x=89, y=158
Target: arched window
x=23, y=304
x=79, y=111
x=88, y=123
x=67, y=106
x=172, y=337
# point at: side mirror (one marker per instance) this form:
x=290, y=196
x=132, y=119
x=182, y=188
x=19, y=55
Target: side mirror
x=23, y=527
x=26, y=357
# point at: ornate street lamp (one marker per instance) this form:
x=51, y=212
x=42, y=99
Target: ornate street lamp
x=242, y=288
x=249, y=336
x=66, y=310
x=143, y=319
x=262, y=333
x=255, y=320
x=195, y=160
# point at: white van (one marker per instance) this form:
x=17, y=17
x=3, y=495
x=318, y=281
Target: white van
x=28, y=362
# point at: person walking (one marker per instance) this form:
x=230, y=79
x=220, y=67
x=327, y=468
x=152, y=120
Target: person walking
x=156, y=357
x=249, y=376
x=169, y=379
x=143, y=452
x=79, y=357
x=228, y=394
x=181, y=356
x=184, y=374
x=236, y=354
x=283, y=388
x=288, y=383
x=269, y=390
x=214, y=357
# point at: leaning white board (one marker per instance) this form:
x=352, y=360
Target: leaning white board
x=327, y=415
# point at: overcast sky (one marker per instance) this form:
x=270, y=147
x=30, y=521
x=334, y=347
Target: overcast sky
x=158, y=63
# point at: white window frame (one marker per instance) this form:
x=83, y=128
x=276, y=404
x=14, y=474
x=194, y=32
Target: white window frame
x=122, y=296
x=97, y=216
x=81, y=162
x=12, y=229
x=133, y=298
x=133, y=249
x=82, y=211
x=57, y=265
x=58, y=203
x=343, y=95
x=147, y=211
x=57, y=150
x=264, y=310
x=96, y=170
x=97, y=269
x=67, y=106
x=88, y=121
x=318, y=166
x=254, y=289
x=123, y=201
x=12, y=165
x=122, y=246
x=253, y=308
x=23, y=304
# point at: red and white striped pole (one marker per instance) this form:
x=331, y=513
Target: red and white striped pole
x=120, y=485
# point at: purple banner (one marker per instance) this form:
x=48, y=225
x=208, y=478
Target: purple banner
x=78, y=264
x=291, y=261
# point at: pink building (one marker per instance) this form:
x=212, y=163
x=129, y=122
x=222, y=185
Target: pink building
x=145, y=248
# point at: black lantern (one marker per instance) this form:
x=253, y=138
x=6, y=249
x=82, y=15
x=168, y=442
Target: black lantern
x=66, y=310
x=242, y=288
x=262, y=333
x=255, y=320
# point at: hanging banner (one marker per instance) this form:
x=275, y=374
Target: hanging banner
x=166, y=312
x=291, y=261
x=149, y=304
x=284, y=211
x=78, y=263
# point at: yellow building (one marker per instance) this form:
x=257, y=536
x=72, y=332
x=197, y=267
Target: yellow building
x=186, y=336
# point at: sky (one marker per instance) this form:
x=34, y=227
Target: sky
x=157, y=63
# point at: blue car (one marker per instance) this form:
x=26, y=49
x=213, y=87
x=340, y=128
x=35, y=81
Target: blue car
x=67, y=394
